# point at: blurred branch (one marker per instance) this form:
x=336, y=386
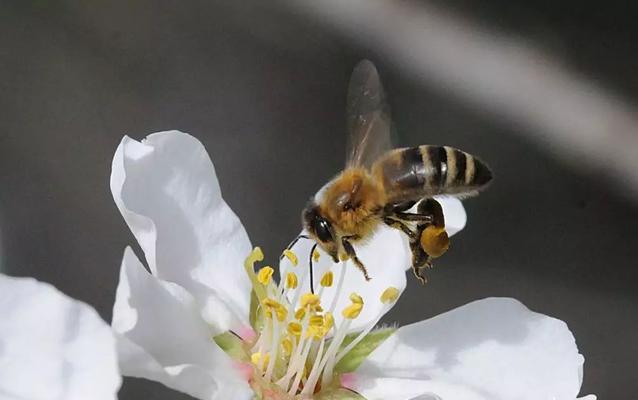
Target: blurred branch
x=571, y=116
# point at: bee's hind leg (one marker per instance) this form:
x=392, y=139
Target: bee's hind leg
x=347, y=246
x=420, y=258
x=399, y=211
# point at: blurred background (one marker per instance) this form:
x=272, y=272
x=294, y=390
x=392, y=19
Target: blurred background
x=544, y=91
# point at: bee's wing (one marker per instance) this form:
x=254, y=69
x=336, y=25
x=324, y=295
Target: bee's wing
x=367, y=116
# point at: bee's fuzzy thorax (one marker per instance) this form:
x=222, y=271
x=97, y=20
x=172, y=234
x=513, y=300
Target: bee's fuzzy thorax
x=352, y=201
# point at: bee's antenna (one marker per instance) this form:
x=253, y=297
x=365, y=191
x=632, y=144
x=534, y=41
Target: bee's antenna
x=312, y=279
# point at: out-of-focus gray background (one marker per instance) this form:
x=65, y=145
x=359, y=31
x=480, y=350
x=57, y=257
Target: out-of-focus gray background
x=262, y=85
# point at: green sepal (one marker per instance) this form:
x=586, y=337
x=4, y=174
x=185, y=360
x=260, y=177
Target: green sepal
x=355, y=357
x=232, y=345
x=338, y=394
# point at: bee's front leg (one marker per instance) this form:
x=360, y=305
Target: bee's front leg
x=347, y=246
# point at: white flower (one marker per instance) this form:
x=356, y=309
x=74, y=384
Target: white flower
x=174, y=321
x=53, y=347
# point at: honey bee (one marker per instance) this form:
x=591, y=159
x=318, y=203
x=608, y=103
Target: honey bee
x=381, y=185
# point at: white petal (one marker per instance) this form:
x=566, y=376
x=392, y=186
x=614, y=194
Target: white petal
x=495, y=347
x=53, y=347
x=378, y=388
x=454, y=213
x=167, y=191
x=386, y=256
x=164, y=338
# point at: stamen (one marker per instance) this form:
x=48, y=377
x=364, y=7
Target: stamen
x=390, y=295
x=327, y=279
x=291, y=280
x=355, y=298
x=294, y=328
x=286, y=344
x=342, y=277
x=290, y=255
x=352, y=311
x=309, y=299
x=300, y=313
x=260, y=360
x=264, y=276
x=293, y=333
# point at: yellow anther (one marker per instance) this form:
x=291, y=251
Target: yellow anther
x=315, y=327
x=318, y=308
x=282, y=313
x=291, y=280
x=328, y=321
x=271, y=303
x=300, y=313
x=315, y=331
x=327, y=278
x=352, y=311
x=291, y=256
x=355, y=298
x=265, y=275
x=254, y=256
x=260, y=360
x=309, y=299
x=316, y=255
x=316, y=321
x=390, y=295
x=287, y=346
x=344, y=257
x=294, y=328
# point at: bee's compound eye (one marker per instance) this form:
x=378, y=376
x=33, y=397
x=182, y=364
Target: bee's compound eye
x=322, y=228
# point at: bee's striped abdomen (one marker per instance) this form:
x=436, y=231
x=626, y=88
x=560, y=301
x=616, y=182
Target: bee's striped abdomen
x=417, y=172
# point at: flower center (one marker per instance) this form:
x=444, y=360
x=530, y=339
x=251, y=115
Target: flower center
x=297, y=344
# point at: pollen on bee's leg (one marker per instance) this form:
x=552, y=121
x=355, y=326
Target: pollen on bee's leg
x=435, y=241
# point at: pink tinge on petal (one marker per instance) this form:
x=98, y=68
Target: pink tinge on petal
x=349, y=380
x=245, y=370
x=246, y=333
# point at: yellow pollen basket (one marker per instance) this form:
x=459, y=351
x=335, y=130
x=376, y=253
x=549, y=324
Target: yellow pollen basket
x=390, y=295
x=327, y=279
x=264, y=276
x=291, y=256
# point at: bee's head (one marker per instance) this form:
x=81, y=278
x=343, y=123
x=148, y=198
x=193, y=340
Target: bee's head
x=320, y=229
